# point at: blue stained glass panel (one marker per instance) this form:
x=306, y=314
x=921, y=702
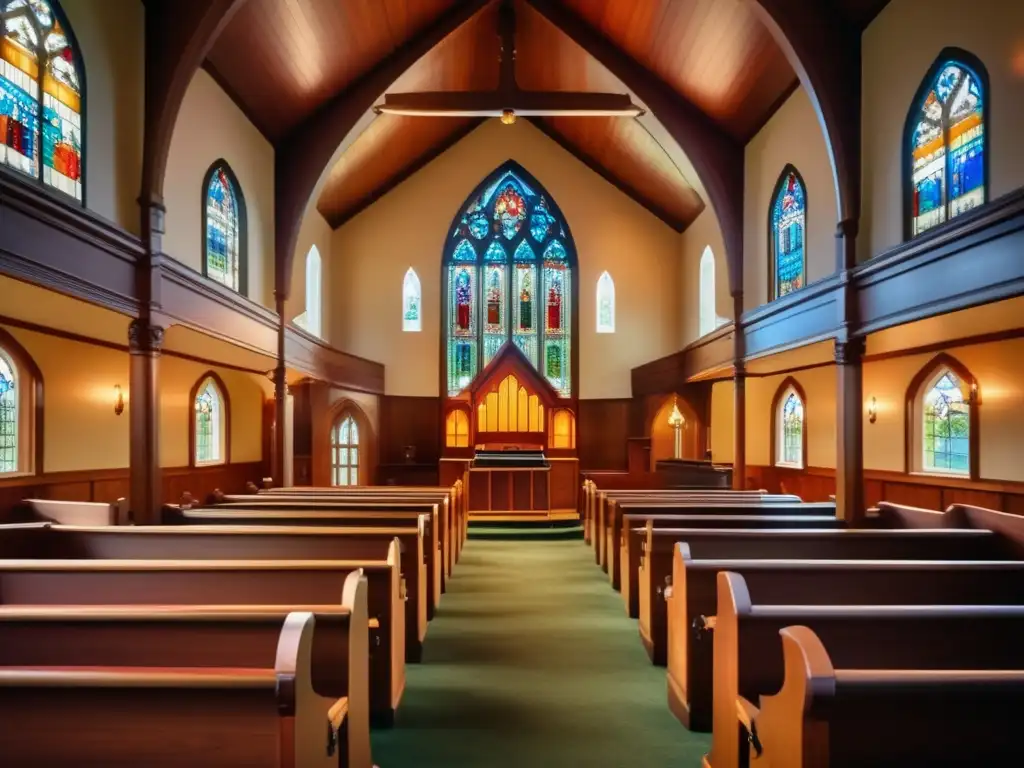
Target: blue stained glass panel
x=541, y=222
x=524, y=252
x=464, y=251
x=789, y=215
x=509, y=210
x=495, y=252
x=555, y=251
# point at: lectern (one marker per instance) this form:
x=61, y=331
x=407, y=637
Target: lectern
x=509, y=482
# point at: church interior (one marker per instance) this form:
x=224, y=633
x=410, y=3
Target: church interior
x=414, y=383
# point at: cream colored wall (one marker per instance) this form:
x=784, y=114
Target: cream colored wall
x=408, y=227
x=819, y=384
x=793, y=135
x=722, y=410
x=704, y=231
x=177, y=377
x=999, y=369
x=899, y=47
x=211, y=127
x=80, y=428
x=314, y=231
x=111, y=35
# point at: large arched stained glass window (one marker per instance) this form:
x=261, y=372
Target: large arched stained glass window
x=788, y=224
x=345, y=451
x=509, y=266
x=8, y=416
x=224, y=228
x=41, y=92
x=946, y=172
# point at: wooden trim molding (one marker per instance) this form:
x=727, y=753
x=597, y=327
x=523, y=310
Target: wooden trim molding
x=787, y=384
x=222, y=388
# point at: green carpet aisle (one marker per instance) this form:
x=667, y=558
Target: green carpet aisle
x=533, y=663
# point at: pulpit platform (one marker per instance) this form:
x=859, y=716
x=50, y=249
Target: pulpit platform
x=512, y=485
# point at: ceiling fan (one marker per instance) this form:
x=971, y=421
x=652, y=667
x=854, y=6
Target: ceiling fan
x=508, y=101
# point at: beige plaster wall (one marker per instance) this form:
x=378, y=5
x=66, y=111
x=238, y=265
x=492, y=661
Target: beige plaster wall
x=722, y=410
x=704, y=231
x=819, y=384
x=111, y=35
x=793, y=135
x=408, y=226
x=210, y=127
x=899, y=47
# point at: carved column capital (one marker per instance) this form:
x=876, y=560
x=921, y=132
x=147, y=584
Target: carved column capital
x=144, y=337
x=850, y=351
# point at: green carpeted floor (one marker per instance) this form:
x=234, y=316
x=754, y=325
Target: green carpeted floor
x=532, y=662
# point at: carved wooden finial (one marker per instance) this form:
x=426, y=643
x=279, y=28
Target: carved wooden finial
x=187, y=500
x=268, y=483
x=217, y=497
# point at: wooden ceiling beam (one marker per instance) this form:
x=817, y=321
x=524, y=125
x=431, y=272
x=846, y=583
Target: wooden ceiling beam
x=302, y=156
x=716, y=156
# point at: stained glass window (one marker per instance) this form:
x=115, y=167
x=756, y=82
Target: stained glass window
x=790, y=439
x=946, y=426
x=209, y=424
x=8, y=416
x=605, y=304
x=345, y=451
x=457, y=429
x=509, y=267
x=40, y=96
x=947, y=148
x=224, y=228
x=789, y=220
x=411, y=300
x=707, y=320
x=314, y=292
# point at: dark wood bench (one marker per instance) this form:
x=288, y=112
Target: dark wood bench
x=239, y=543
x=168, y=717
x=305, y=515
x=222, y=582
x=748, y=659
x=635, y=536
x=692, y=600
x=828, y=715
x=615, y=532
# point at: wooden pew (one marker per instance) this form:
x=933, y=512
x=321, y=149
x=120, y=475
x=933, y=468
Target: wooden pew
x=831, y=716
x=75, y=512
x=766, y=505
x=240, y=543
x=222, y=582
x=748, y=661
x=168, y=717
x=306, y=515
x=634, y=539
x=780, y=544
x=692, y=599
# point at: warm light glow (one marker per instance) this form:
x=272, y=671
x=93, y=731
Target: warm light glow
x=675, y=419
x=872, y=410
x=118, y=400
x=508, y=117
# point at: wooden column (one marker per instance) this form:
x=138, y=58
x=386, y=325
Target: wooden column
x=850, y=431
x=145, y=495
x=739, y=419
x=280, y=394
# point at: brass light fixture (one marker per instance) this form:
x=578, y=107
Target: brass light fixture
x=872, y=411
x=118, y=400
x=508, y=102
x=676, y=421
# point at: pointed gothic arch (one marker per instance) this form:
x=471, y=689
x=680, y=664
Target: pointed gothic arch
x=789, y=425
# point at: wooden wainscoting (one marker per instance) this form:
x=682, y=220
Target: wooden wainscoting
x=602, y=427
x=414, y=421
x=818, y=483
x=108, y=485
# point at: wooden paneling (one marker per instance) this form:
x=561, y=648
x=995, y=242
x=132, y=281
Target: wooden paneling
x=109, y=485
x=818, y=483
x=414, y=421
x=716, y=53
x=565, y=484
x=602, y=428
x=284, y=59
x=408, y=474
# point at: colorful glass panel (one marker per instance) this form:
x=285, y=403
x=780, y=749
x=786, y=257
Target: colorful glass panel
x=495, y=252
x=411, y=300
x=524, y=329
x=557, y=332
x=495, y=310
x=222, y=230
x=792, y=430
x=948, y=149
x=947, y=427
x=789, y=215
x=39, y=74
x=462, y=331
x=8, y=417
x=509, y=210
x=209, y=424
x=541, y=222
x=464, y=252
x=605, y=304
x=345, y=452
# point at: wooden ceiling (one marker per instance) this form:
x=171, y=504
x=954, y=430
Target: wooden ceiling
x=280, y=60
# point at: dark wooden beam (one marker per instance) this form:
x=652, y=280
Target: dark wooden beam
x=418, y=164
x=302, y=156
x=677, y=223
x=716, y=156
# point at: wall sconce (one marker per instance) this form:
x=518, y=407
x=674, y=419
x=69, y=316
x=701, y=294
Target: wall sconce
x=872, y=411
x=118, y=400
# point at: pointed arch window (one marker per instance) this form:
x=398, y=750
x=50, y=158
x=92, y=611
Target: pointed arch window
x=9, y=416
x=457, y=429
x=509, y=263
x=946, y=171
x=209, y=443
x=943, y=401
x=706, y=322
x=345, y=459
x=224, y=228
x=412, y=300
x=42, y=87
x=789, y=440
x=314, y=292
x=605, y=304
x=787, y=225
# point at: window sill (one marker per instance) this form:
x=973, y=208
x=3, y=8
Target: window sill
x=945, y=475
x=788, y=465
x=217, y=463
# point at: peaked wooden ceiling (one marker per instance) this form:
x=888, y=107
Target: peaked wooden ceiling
x=280, y=60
